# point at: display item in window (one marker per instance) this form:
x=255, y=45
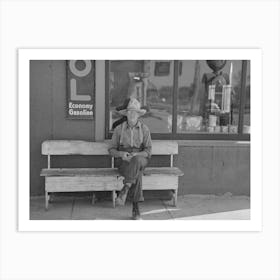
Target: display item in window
x=218, y=89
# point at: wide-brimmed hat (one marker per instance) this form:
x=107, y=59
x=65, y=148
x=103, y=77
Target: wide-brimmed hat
x=133, y=105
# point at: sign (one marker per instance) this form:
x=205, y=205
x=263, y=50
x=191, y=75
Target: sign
x=80, y=78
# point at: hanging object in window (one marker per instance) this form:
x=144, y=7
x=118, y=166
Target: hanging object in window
x=218, y=89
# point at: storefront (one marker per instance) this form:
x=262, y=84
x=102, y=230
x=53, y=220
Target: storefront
x=204, y=105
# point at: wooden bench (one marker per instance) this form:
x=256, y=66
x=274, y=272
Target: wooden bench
x=104, y=179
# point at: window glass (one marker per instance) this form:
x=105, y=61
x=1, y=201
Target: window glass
x=247, y=111
x=208, y=96
x=151, y=82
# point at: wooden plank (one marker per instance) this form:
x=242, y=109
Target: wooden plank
x=114, y=195
x=171, y=160
x=175, y=196
x=77, y=147
x=74, y=147
x=93, y=198
x=160, y=183
x=171, y=171
x=46, y=200
x=91, y=172
x=162, y=147
x=76, y=184
x=80, y=172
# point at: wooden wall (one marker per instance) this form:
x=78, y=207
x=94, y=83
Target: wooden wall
x=48, y=115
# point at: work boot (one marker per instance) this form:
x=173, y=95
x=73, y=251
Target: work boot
x=136, y=211
x=120, y=200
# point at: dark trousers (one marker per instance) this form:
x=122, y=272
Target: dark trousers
x=132, y=172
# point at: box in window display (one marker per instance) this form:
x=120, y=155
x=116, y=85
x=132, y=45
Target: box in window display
x=193, y=123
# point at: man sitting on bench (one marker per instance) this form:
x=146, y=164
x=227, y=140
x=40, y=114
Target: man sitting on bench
x=132, y=146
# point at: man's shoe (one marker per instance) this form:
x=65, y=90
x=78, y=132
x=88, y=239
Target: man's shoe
x=136, y=212
x=120, y=200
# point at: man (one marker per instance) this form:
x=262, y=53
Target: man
x=132, y=146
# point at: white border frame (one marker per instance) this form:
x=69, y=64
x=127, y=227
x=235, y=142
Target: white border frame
x=25, y=55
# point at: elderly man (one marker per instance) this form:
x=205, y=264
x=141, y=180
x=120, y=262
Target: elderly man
x=132, y=146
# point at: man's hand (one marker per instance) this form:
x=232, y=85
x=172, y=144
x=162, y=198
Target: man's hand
x=134, y=154
x=126, y=156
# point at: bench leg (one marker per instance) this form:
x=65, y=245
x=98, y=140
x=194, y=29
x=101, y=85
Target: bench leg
x=47, y=197
x=114, y=198
x=51, y=197
x=175, y=193
x=93, y=198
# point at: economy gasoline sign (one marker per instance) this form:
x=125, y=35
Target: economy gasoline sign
x=80, y=88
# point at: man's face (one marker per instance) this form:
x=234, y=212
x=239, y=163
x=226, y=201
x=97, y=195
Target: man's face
x=132, y=116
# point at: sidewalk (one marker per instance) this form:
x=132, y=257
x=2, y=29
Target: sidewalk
x=203, y=207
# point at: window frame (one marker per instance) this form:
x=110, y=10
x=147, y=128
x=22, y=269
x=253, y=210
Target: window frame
x=239, y=136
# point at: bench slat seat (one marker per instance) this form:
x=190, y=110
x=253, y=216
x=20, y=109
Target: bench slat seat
x=79, y=172
x=106, y=183
x=171, y=171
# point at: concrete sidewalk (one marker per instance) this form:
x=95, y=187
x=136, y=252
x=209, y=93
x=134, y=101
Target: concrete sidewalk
x=197, y=207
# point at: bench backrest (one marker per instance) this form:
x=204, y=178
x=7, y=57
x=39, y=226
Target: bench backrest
x=77, y=147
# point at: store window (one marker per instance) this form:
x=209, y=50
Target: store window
x=188, y=99
x=208, y=96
